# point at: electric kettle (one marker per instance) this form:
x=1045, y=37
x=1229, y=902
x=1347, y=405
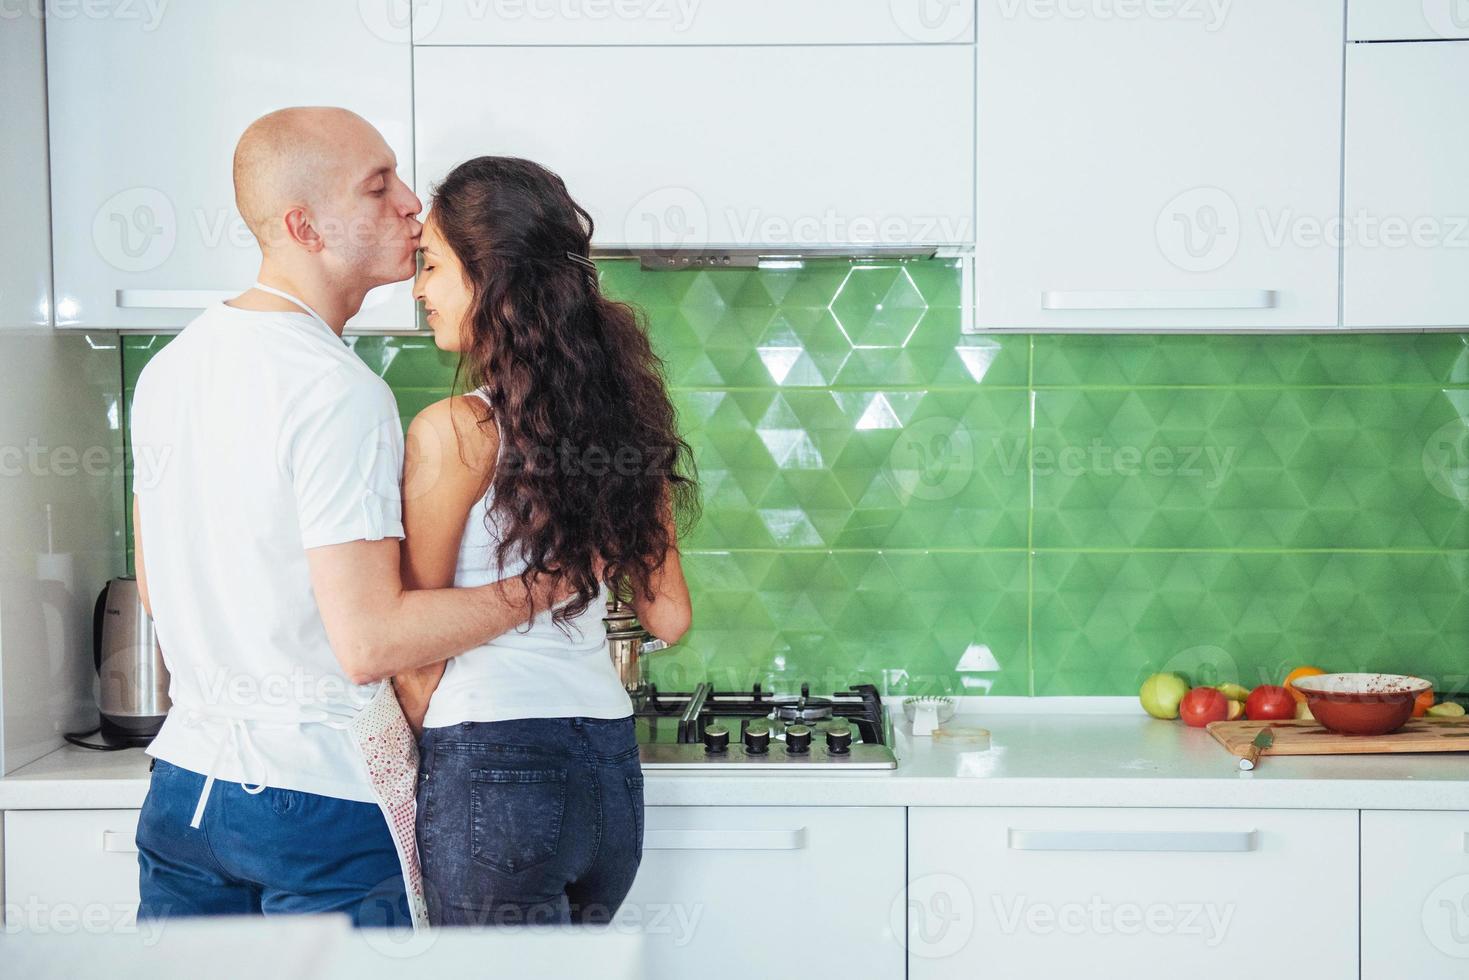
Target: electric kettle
x=133, y=693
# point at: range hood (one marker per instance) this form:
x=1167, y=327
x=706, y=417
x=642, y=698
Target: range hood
x=769, y=257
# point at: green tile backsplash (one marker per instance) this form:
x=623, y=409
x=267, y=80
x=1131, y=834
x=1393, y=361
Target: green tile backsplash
x=892, y=501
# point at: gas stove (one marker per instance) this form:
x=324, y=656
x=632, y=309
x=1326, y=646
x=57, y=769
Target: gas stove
x=757, y=729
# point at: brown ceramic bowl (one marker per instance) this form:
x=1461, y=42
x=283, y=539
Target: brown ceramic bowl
x=1361, y=704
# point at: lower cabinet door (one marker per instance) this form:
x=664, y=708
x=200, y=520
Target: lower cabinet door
x=1010, y=893
x=1415, y=894
x=71, y=871
x=770, y=892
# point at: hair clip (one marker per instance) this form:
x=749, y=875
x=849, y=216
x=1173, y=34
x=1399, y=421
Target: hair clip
x=583, y=261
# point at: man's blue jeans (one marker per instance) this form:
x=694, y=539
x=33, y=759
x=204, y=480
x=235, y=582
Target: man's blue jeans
x=276, y=852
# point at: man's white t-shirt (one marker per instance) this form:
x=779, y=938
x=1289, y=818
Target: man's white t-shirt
x=257, y=436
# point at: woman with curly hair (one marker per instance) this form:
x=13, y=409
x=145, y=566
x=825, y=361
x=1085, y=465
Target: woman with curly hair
x=563, y=460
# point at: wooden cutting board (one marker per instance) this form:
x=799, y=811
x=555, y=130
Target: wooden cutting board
x=1309, y=738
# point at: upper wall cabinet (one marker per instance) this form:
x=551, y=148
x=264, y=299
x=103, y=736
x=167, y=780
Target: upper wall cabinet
x=1406, y=221
x=145, y=112
x=693, y=22
x=1407, y=20
x=779, y=146
x=1175, y=169
x=25, y=246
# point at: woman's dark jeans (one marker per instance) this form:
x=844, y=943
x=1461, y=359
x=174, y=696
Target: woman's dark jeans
x=534, y=821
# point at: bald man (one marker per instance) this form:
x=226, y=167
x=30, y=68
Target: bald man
x=266, y=543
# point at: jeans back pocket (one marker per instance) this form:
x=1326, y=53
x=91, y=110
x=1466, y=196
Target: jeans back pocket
x=635, y=797
x=515, y=816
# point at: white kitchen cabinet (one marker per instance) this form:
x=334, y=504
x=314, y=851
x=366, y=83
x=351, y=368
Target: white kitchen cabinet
x=1140, y=893
x=71, y=870
x=778, y=147
x=1406, y=215
x=748, y=891
x=25, y=248
x=1406, y=20
x=1415, y=894
x=1177, y=167
x=145, y=112
x=693, y=22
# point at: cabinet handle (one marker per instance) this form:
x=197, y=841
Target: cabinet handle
x=725, y=840
x=117, y=843
x=171, y=299
x=1152, y=840
x=1158, y=299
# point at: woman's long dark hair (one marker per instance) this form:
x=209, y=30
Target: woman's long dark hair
x=592, y=465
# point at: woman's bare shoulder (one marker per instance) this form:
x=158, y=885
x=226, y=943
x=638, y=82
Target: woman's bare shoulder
x=458, y=429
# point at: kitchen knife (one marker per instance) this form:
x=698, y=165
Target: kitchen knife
x=1263, y=741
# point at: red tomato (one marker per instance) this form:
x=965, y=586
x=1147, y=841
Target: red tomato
x=1270, y=702
x=1203, y=705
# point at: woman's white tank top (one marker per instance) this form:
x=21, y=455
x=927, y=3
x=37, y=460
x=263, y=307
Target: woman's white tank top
x=534, y=671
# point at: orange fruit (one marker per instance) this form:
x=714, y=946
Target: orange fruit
x=1296, y=675
x=1422, y=703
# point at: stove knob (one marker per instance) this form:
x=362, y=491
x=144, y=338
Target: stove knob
x=839, y=741
x=757, y=739
x=798, y=739
x=716, y=739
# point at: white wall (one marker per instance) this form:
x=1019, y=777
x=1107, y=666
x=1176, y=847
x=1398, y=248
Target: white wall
x=60, y=443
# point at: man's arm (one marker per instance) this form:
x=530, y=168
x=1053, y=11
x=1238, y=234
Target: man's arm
x=138, y=571
x=379, y=628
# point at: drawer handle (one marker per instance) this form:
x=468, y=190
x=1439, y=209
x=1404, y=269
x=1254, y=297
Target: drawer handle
x=1152, y=840
x=118, y=843
x=171, y=299
x=725, y=840
x=1158, y=299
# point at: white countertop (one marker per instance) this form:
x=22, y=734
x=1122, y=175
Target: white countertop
x=1044, y=752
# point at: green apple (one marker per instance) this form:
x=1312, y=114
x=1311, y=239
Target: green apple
x=1235, y=692
x=1447, y=709
x=1161, y=693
